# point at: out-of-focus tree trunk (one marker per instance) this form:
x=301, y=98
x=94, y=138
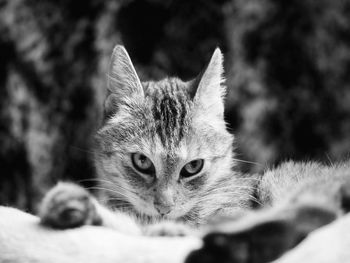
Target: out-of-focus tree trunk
x=287, y=65
x=54, y=59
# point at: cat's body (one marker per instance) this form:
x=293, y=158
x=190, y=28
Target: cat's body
x=293, y=182
x=295, y=199
x=164, y=154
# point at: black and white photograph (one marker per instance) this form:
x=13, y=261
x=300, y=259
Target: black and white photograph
x=174, y=131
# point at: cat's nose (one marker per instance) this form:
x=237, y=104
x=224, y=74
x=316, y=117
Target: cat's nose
x=164, y=201
x=163, y=209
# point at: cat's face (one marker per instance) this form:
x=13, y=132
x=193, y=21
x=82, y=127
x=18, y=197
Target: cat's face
x=163, y=143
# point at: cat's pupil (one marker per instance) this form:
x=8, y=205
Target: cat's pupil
x=192, y=168
x=194, y=164
x=142, y=163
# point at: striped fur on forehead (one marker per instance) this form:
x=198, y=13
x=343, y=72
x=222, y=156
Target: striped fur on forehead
x=170, y=108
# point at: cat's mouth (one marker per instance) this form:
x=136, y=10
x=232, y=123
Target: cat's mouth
x=153, y=215
x=149, y=211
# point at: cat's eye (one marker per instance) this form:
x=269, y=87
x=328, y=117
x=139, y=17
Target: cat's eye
x=192, y=168
x=142, y=163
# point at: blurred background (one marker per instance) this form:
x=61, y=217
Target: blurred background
x=287, y=67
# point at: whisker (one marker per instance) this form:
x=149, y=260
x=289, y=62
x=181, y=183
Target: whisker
x=244, y=161
x=94, y=180
x=110, y=190
x=83, y=150
x=229, y=189
x=249, y=179
x=114, y=185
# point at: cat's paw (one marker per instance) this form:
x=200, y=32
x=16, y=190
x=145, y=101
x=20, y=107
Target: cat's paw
x=259, y=244
x=259, y=240
x=169, y=229
x=68, y=205
x=345, y=196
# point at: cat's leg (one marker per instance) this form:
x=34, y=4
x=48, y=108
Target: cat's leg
x=262, y=237
x=68, y=205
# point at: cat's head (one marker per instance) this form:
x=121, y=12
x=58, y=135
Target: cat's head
x=163, y=143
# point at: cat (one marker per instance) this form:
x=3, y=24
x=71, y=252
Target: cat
x=163, y=153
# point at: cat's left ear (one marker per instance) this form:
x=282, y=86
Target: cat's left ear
x=208, y=90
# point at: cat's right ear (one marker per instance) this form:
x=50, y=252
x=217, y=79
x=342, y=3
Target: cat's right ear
x=207, y=90
x=123, y=82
